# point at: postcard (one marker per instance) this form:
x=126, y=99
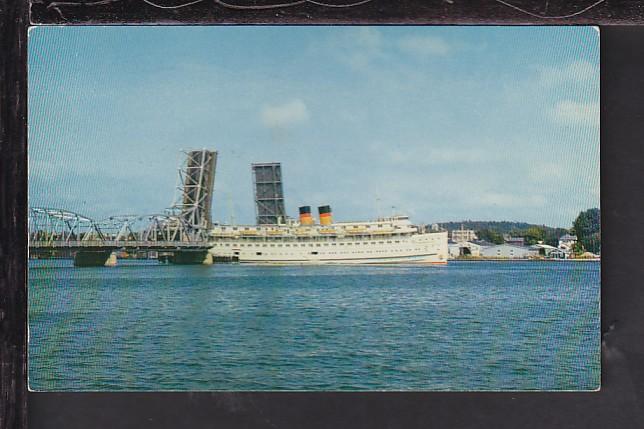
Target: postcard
x=314, y=208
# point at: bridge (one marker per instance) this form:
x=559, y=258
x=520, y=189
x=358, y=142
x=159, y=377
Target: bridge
x=180, y=234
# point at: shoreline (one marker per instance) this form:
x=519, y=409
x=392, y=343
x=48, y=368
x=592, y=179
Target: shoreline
x=478, y=259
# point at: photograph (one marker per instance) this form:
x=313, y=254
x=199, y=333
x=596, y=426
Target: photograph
x=314, y=208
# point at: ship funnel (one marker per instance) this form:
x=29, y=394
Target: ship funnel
x=305, y=215
x=326, y=217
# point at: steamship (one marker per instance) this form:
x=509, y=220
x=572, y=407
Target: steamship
x=387, y=240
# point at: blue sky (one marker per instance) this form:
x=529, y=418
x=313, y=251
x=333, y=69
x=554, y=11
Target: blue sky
x=441, y=123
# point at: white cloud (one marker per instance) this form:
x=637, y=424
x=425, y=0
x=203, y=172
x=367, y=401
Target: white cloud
x=424, y=46
x=284, y=115
x=361, y=47
x=577, y=72
x=546, y=172
x=365, y=46
x=368, y=38
x=569, y=112
x=466, y=155
x=417, y=153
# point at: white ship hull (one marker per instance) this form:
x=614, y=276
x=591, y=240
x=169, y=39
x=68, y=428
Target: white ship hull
x=417, y=248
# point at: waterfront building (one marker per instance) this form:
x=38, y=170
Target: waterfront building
x=559, y=254
x=515, y=241
x=507, y=251
x=567, y=242
x=462, y=235
x=464, y=249
x=548, y=251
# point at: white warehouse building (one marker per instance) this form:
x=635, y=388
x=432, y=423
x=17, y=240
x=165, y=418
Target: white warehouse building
x=464, y=249
x=507, y=251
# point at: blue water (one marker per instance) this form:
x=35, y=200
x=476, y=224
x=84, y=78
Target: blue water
x=466, y=326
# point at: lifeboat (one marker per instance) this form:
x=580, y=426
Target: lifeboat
x=382, y=232
x=328, y=231
x=356, y=230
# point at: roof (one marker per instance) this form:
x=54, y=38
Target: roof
x=568, y=237
x=463, y=243
x=483, y=243
x=508, y=245
x=543, y=246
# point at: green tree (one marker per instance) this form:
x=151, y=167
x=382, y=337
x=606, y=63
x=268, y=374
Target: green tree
x=534, y=234
x=553, y=234
x=490, y=235
x=587, y=227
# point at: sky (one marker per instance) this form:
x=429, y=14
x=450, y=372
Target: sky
x=439, y=123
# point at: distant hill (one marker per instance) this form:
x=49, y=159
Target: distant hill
x=493, y=230
x=504, y=227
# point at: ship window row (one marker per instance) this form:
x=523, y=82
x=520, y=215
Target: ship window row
x=345, y=252
x=364, y=243
x=344, y=227
x=355, y=237
x=336, y=253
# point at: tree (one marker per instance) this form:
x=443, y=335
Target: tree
x=534, y=234
x=553, y=234
x=490, y=235
x=587, y=227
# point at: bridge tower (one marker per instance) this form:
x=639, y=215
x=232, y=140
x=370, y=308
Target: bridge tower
x=195, y=188
x=269, y=195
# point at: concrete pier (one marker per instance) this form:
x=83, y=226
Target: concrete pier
x=91, y=258
x=191, y=257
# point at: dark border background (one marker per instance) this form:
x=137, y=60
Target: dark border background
x=619, y=404
x=375, y=11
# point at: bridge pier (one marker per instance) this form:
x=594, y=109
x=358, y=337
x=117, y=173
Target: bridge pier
x=191, y=257
x=91, y=258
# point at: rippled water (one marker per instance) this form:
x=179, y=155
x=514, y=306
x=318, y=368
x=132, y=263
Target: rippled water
x=467, y=326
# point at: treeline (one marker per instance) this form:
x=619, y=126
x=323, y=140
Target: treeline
x=493, y=231
x=587, y=228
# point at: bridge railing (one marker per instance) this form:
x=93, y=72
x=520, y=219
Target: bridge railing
x=116, y=244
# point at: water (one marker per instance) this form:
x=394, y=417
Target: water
x=467, y=326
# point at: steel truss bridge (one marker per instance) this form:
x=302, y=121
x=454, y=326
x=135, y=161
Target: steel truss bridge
x=53, y=231
x=182, y=231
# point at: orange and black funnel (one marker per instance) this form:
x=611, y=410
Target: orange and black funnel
x=305, y=215
x=326, y=217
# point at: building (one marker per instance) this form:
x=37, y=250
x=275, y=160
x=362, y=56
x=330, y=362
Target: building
x=462, y=235
x=567, y=242
x=559, y=254
x=507, y=251
x=464, y=249
x=515, y=241
x=547, y=251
